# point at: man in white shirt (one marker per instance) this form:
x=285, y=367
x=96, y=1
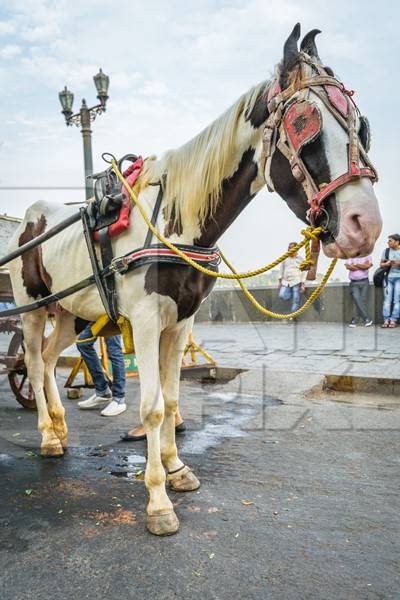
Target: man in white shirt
x=291, y=279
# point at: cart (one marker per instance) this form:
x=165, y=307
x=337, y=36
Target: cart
x=12, y=363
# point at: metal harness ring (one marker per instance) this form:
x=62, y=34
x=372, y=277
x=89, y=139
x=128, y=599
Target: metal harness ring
x=311, y=218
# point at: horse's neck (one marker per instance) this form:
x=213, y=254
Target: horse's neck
x=241, y=186
x=237, y=191
x=238, y=187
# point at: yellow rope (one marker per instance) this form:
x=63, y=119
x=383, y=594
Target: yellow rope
x=311, y=233
x=296, y=313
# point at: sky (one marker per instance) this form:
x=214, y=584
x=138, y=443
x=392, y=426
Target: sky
x=174, y=67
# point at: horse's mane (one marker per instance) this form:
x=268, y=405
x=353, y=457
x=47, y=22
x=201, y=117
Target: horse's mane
x=195, y=171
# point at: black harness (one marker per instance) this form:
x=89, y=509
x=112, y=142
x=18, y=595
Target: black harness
x=98, y=216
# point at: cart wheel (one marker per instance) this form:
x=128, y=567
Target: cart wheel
x=18, y=376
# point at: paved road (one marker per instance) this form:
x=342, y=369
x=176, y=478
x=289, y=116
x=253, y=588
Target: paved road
x=299, y=495
x=312, y=347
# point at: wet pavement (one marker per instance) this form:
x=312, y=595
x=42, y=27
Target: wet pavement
x=299, y=495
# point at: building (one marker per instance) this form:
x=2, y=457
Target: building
x=7, y=227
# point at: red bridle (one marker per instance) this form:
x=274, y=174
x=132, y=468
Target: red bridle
x=295, y=121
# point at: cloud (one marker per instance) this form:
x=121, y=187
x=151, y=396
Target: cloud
x=10, y=51
x=6, y=27
x=32, y=123
x=54, y=71
x=123, y=81
x=41, y=33
x=154, y=88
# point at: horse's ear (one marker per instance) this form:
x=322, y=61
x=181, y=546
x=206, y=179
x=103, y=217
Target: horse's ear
x=308, y=44
x=290, y=54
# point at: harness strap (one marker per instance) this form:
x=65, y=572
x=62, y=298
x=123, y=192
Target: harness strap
x=158, y=253
x=108, y=283
x=344, y=124
x=40, y=239
x=97, y=274
x=19, y=310
x=154, y=216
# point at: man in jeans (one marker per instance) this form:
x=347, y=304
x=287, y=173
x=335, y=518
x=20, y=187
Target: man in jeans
x=359, y=288
x=391, y=302
x=112, y=401
x=291, y=279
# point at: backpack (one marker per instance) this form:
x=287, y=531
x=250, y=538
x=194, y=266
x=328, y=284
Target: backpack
x=381, y=273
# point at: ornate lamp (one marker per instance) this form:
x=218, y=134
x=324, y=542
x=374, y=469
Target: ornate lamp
x=66, y=99
x=101, y=81
x=84, y=118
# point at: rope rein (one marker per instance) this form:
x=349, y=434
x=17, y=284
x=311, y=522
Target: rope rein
x=309, y=234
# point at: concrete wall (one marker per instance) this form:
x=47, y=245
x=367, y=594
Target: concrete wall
x=334, y=305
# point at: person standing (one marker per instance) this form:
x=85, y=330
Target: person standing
x=292, y=279
x=112, y=400
x=359, y=288
x=391, y=300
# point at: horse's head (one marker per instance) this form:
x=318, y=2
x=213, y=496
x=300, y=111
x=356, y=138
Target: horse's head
x=315, y=151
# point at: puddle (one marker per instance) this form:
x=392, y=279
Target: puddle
x=234, y=412
x=139, y=475
x=136, y=459
x=212, y=434
x=228, y=424
x=5, y=458
x=99, y=451
x=132, y=467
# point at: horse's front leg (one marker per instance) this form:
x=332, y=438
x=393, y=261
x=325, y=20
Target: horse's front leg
x=172, y=345
x=161, y=518
x=61, y=337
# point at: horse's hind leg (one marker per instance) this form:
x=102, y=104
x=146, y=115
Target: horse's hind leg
x=62, y=336
x=33, y=325
x=173, y=342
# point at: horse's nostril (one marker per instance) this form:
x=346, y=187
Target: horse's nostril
x=355, y=223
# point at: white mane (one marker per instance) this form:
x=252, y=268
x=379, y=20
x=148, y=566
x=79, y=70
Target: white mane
x=195, y=171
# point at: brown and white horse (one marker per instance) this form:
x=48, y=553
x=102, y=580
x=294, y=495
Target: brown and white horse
x=209, y=181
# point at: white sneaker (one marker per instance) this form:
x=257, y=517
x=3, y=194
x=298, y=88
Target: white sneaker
x=94, y=401
x=113, y=409
x=369, y=322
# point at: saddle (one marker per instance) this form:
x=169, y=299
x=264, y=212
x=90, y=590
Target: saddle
x=105, y=217
x=111, y=206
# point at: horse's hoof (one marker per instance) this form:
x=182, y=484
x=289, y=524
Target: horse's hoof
x=52, y=449
x=64, y=442
x=183, y=481
x=165, y=523
x=63, y=437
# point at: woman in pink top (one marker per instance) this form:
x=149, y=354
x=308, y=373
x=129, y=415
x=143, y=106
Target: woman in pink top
x=359, y=287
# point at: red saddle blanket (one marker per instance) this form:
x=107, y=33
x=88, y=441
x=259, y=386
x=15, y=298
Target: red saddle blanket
x=131, y=174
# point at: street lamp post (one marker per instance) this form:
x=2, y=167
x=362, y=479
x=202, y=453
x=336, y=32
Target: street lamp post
x=84, y=118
